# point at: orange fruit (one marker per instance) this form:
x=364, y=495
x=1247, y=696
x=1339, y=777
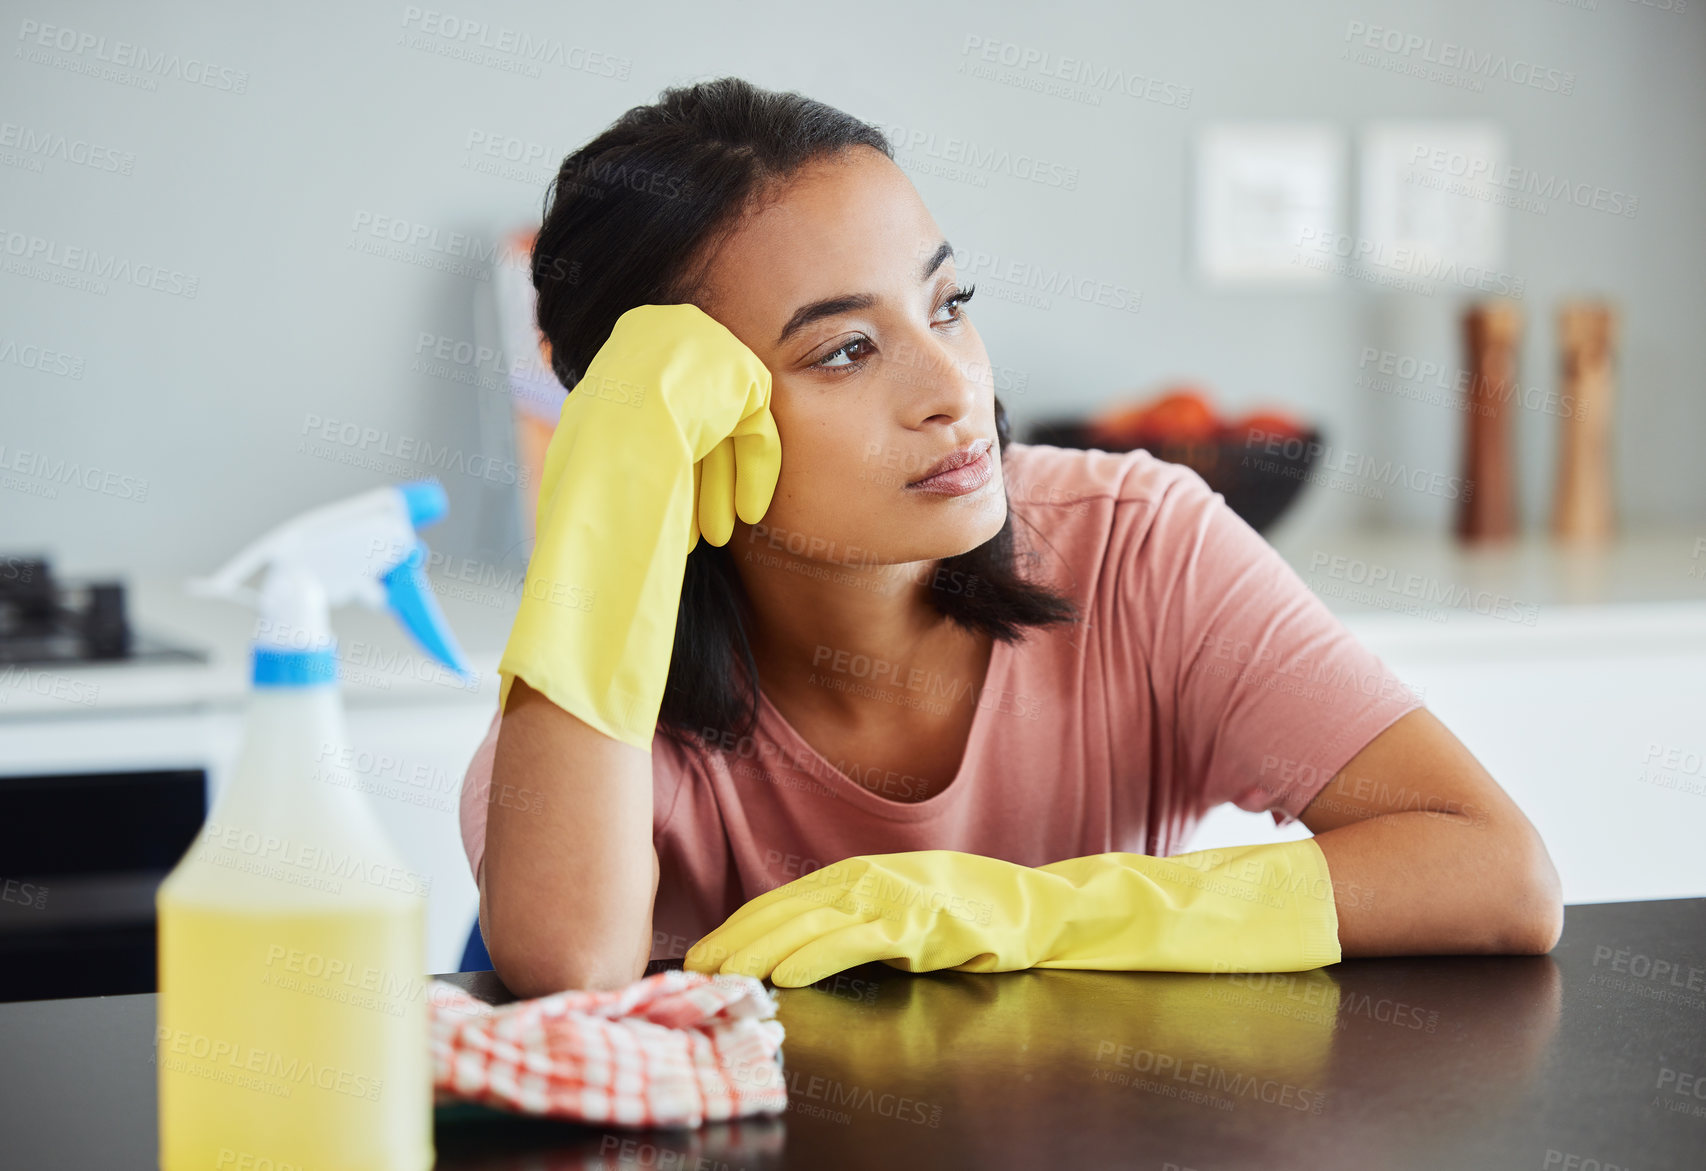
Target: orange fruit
x=1268, y=421
x=1182, y=416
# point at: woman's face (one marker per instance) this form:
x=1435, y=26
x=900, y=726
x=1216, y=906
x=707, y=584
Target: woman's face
x=844, y=287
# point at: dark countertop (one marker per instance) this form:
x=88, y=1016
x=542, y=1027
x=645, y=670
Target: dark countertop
x=1596, y=1052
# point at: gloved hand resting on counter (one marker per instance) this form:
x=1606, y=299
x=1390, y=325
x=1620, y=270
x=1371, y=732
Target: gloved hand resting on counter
x=1260, y=908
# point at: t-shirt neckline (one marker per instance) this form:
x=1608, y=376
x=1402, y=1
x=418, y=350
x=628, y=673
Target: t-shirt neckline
x=850, y=790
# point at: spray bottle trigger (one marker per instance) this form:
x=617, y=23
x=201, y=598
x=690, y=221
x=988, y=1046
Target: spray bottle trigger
x=411, y=599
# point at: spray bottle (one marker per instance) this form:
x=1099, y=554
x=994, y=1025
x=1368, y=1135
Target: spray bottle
x=292, y=1029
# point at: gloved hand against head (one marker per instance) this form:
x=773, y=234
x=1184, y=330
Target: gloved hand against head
x=1262, y=908
x=666, y=438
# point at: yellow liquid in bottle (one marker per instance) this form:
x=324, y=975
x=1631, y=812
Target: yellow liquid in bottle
x=292, y=1040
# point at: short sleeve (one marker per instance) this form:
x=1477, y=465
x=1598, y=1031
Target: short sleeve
x=1270, y=693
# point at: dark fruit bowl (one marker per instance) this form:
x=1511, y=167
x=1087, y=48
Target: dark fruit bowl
x=1259, y=479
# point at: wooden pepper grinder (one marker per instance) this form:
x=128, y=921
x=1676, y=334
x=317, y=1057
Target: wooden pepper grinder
x=1582, y=508
x=1486, y=510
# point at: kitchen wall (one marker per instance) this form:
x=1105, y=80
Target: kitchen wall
x=239, y=184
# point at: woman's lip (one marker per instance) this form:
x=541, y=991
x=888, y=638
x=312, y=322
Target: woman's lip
x=968, y=477
x=949, y=462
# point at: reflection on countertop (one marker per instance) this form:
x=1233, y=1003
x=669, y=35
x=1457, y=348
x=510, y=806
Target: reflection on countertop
x=1385, y=1058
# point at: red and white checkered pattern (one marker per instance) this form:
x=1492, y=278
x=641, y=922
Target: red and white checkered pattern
x=676, y=1048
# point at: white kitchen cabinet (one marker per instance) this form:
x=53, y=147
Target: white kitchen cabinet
x=1586, y=699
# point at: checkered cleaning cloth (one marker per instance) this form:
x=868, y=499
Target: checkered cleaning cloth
x=676, y=1048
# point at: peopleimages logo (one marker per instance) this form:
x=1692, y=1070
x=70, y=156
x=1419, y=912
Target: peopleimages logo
x=38, y=144
x=1040, y=282
x=81, y=48
x=1067, y=77
x=1441, y=384
x=39, y=474
x=41, y=359
x=1484, y=172
x=1410, y=262
x=1416, y=50
x=516, y=50
x=973, y=157
x=87, y=268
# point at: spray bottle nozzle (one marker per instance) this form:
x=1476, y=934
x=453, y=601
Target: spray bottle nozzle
x=426, y=500
x=362, y=549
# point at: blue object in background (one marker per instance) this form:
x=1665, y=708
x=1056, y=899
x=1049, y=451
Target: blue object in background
x=475, y=957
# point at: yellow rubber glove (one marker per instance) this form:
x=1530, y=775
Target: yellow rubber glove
x=1261, y=908
x=667, y=436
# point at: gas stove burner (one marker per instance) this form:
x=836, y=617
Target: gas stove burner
x=43, y=620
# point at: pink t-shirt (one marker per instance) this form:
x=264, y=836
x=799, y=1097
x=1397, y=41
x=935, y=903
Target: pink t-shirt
x=1203, y=670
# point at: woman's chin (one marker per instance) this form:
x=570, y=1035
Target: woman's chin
x=965, y=531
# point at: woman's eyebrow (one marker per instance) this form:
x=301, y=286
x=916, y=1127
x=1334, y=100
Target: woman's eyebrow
x=831, y=306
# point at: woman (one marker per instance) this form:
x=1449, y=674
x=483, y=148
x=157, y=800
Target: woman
x=1041, y=655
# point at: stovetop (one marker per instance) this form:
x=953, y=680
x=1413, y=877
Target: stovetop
x=44, y=619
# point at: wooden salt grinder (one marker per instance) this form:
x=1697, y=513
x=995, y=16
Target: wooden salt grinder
x=1582, y=506
x=1487, y=503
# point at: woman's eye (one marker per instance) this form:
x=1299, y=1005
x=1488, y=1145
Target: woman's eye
x=845, y=358
x=829, y=360
x=957, y=303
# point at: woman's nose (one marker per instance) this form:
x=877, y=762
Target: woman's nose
x=937, y=380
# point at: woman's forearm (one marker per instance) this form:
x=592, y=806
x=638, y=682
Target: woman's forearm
x=1428, y=854
x=565, y=896
x=1419, y=883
